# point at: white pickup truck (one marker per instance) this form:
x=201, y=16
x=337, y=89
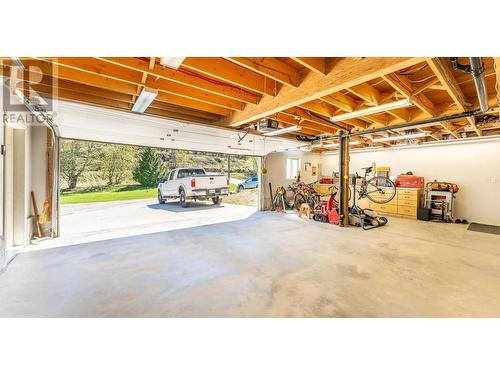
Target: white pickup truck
x=188, y=184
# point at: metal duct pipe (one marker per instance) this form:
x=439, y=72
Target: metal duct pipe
x=477, y=71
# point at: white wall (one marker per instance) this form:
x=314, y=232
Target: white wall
x=25, y=169
x=275, y=163
x=475, y=167
x=39, y=165
x=19, y=218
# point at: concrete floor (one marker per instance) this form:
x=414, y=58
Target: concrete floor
x=90, y=222
x=268, y=265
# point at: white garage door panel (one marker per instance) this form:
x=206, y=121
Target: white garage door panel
x=85, y=122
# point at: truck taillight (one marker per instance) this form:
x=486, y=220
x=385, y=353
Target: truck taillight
x=193, y=182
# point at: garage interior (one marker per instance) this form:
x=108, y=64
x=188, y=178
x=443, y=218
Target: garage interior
x=323, y=117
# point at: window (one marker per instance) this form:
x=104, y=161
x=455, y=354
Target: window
x=171, y=176
x=190, y=172
x=292, y=167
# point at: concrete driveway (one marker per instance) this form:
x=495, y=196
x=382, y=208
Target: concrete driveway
x=88, y=222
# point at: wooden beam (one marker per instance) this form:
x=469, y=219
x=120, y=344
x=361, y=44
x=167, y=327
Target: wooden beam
x=427, y=85
x=227, y=71
x=449, y=82
x=152, y=110
x=445, y=76
x=346, y=73
x=185, y=111
x=193, y=93
x=304, y=115
x=291, y=119
x=341, y=101
x=366, y=92
x=191, y=103
x=403, y=86
x=86, y=89
x=82, y=98
x=269, y=67
x=319, y=107
x=54, y=83
x=316, y=64
x=76, y=75
x=116, y=72
x=187, y=78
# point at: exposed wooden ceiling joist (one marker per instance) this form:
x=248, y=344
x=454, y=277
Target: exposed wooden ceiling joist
x=347, y=72
x=187, y=78
x=116, y=72
x=227, y=71
x=316, y=64
x=269, y=67
x=451, y=86
x=402, y=84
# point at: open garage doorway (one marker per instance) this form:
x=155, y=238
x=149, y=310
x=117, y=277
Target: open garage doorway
x=111, y=190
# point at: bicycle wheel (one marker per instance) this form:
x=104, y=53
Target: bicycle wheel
x=380, y=190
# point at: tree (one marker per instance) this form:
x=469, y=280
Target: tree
x=149, y=168
x=117, y=162
x=77, y=157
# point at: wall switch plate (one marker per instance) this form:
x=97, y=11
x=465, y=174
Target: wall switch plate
x=493, y=180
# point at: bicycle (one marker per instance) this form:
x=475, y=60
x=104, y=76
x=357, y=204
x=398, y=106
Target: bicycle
x=377, y=189
x=305, y=193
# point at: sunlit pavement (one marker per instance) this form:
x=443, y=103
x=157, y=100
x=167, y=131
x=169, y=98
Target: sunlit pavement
x=88, y=222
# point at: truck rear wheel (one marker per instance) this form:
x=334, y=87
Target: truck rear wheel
x=216, y=200
x=160, y=198
x=182, y=198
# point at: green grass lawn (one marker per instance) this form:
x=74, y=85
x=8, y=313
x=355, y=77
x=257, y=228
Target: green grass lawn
x=108, y=194
x=112, y=193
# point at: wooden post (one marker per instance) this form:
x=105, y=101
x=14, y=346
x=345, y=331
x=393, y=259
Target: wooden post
x=344, y=179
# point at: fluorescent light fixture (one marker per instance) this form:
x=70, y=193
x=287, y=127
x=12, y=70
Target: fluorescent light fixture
x=171, y=62
x=399, y=137
x=334, y=145
x=305, y=148
x=371, y=110
x=144, y=100
x=283, y=130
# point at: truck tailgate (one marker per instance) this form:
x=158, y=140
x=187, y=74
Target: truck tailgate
x=211, y=182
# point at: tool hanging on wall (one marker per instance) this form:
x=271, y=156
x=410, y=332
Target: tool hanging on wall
x=37, y=216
